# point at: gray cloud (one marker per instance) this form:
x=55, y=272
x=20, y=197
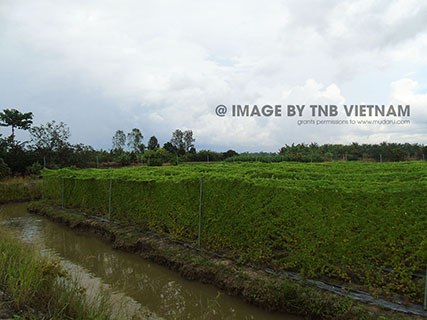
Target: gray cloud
x=159, y=65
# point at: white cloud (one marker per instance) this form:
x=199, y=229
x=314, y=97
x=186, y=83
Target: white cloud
x=405, y=91
x=161, y=65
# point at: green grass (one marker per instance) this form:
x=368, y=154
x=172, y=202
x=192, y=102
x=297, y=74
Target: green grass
x=342, y=220
x=39, y=288
x=20, y=189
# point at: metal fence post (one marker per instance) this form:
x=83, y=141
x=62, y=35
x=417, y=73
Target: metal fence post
x=109, y=200
x=200, y=212
x=62, y=202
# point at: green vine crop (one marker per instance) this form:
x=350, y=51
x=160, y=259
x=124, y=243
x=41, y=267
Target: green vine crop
x=343, y=220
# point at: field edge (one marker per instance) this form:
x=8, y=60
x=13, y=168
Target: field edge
x=270, y=292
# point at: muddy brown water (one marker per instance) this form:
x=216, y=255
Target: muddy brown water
x=138, y=287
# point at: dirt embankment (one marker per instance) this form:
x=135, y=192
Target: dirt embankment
x=270, y=292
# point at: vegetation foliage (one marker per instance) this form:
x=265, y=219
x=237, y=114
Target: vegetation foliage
x=40, y=289
x=50, y=148
x=354, y=221
x=20, y=189
x=15, y=119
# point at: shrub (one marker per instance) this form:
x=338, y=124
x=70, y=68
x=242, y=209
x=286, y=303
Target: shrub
x=34, y=169
x=158, y=157
x=20, y=189
x=4, y=169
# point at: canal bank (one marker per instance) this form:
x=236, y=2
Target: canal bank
x=270, y=292
x=33, y=286
x=141, y=288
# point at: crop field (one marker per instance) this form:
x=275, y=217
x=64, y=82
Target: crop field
x=363, y=223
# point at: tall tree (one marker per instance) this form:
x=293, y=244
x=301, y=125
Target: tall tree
x=15, y=119
x=153, y=143
x=135, y=140
x=50, y=137
x=188, y=140
x=178, y=139
x=168, y=146
x=119, y=140
x=182, y=141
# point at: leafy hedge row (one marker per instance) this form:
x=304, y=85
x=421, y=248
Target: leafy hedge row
x=347, y=221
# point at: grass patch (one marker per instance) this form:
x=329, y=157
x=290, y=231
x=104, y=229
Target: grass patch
x=20, y=189
x=38, y=288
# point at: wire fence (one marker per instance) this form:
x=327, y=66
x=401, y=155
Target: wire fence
x=341, y=290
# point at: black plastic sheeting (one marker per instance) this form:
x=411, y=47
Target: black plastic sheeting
x=337, y=289
x=356, y=294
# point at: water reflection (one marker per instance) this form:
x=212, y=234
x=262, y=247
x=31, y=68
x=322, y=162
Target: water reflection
x=146, y=288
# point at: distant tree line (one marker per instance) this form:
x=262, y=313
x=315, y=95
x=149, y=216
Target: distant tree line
x=180, y=148
x=339, y=152
x=365, y=152
x=49, y=147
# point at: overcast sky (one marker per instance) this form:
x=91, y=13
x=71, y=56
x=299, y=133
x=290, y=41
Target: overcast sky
x=159, y=65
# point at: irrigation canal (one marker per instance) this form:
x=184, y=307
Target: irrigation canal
x=138, y=287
